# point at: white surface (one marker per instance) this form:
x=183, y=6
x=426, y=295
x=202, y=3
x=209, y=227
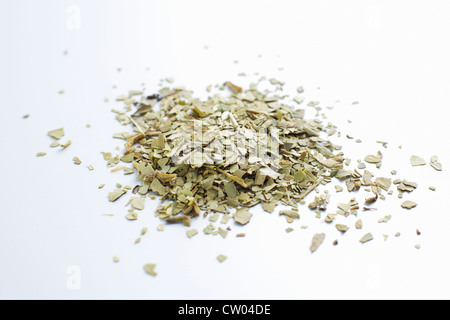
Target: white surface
x=391, y=56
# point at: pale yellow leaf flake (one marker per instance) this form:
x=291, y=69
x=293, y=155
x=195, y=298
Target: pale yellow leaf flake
x=138, y=203
x=222, y=232
x=366, y=237
x=225, y=218
x=242, y=216
x=417, y=161
x=213, y=217
x=76, y=160
x=341, y=227
x=150, y=269
x=191, y=232
x=316, y=241
x=221, y=258
x=57, y=133
x=408, y=204
x=115, y=194
x=436, y=165
x=65, y=145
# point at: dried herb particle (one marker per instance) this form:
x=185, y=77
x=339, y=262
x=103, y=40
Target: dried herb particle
x=342, y=227
x=316, y=241
x=408, y=204
x=221, y=258
x=191, y=232
x=150, y=269
x=417, y=161
x=115, y=194
x=366, y=237
x=57, y=133
x=242, y=216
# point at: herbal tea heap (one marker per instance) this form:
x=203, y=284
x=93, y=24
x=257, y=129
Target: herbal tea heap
x=225, y=152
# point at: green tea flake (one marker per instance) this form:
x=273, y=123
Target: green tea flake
x=76, y=160
x=150, y=269
x=116, y=194
x=191, y=232
x=223, y=232
x=408, y=204
x=417, y=161
x=57, y=133
x=341, y=227
x=221, y=258
x=366, y=237
x=436, y=165
x=242, y=216
x=316, y=241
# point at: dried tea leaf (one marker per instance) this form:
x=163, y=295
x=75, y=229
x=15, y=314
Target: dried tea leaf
x=138, y=202
x=40, y=154
x=385, y=218
x=384, y=183
x=316, y=241
x=150, y=269
x=373, y=158
x=231, y=190
x=225, y=218
x=341, y=227
x=242, y=216
x=408, y=204
x=221, y=258
x=131, y=215
x=57, y=133
x=214, y=217
x=233, y=87
x=222, y=232
x=417, y=161
x=115, y=194
x=191, y=232
x=65, y=145
x=76, y=160
x=358, y=224
x=366, y=237
x=436, y=165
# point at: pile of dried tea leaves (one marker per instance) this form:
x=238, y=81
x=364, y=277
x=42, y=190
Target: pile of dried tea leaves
x=235, y=151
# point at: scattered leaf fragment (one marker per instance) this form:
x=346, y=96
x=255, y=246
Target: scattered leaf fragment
x=191, y=232
x=221, y=258
x=57, y=133
x=417, y=161
x=242, y=216
x=366, y=237
x=316, y=241
x=408, y=204
x=150, y=268
x=115, y=194
x=341, y=227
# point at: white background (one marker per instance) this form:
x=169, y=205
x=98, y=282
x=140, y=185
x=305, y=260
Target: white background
x=55, y=242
